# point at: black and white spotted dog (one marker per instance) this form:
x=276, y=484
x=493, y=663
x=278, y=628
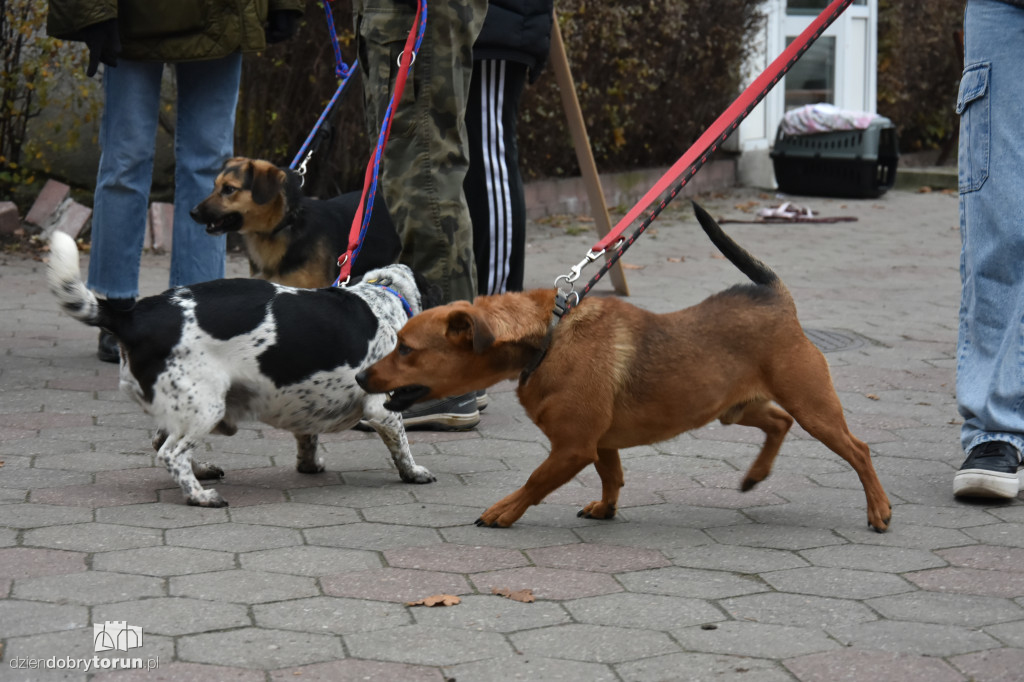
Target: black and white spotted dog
x=201, y=358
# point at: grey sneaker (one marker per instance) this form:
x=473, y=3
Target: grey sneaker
x=458, y=413
x=990, y=470
x=482, y=401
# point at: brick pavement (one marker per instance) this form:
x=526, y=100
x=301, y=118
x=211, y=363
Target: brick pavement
x=307, y=577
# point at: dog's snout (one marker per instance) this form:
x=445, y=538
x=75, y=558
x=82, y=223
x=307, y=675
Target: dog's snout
x=197, y=215
x=363, y=378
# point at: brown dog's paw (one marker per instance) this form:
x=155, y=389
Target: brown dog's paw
x=597, y=510
x=748, y=485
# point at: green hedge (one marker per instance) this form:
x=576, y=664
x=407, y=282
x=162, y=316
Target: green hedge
x=651, y=76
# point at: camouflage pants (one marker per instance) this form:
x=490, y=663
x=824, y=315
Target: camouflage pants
x=426, y=158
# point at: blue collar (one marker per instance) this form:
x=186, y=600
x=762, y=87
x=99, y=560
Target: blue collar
x=405, y=303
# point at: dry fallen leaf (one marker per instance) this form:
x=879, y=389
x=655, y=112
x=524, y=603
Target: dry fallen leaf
x=872, y=396
x=525, y=595
x=633, y=266
x=436, y=600
x=680, y=259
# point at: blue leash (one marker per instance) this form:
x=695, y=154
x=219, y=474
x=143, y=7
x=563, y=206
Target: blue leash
x=344, y=73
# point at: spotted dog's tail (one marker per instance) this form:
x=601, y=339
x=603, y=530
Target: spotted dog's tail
x=66, y=283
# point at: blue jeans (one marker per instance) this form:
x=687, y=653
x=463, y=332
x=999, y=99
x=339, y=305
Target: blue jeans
x=203, y=140
x=990, y=347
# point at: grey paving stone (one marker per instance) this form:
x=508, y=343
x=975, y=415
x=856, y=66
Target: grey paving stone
x=295, y=515
x=646, y=535
x=93, y=537
x=1006, y=534
x=949, y=609
x=393, y=584
x=994, y=558
x=1011, y=634
x=30, y=618
x=331, y=615
x=909, y=536
x=594, y=643
x=904, y=637
x=24, y=562
x=352, y=670
x=93, y=495
x=435, y=646
x=873, y=558
x=683, y=516
x=420, y=514
x=353, y=496
x=775, y=537
x=243, y=587
x=38, y=515
x=161, y=515
x=969, y=581
x=163, y=561
x=532, y=668
x=641, y=611
x=797, y=610
x=260, y=649
x=455, y=558
x=737, y=559
x=310, y=561
x=760, y=640
x=234, y=537
x=699, y=666
x=855, y=665
x=522, y=535
x=75, y=645
x=372, y=536
x=596, y=557
x=93, y=461
x=995, y=665
x=548, y=583
x=492, y=613
x=93, y=587
x=690, y=582
x=185, y=672
x=175, y=616
x=843, y=583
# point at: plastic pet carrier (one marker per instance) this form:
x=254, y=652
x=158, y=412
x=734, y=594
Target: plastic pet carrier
x=843, y=163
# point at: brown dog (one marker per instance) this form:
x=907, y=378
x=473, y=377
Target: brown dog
x=292, y=239
x=615, y=376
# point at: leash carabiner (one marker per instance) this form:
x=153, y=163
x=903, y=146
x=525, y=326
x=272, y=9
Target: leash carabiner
x=301, y=170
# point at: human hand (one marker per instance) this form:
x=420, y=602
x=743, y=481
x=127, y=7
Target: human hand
x=104, y=44
x=281, y=25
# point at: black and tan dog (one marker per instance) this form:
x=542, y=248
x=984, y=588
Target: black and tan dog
x=615, y=376
x=292, y=239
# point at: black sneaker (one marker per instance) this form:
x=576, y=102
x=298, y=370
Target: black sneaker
x=482, y=400
x=108, y=350
x=458, y=413
x=990, y=470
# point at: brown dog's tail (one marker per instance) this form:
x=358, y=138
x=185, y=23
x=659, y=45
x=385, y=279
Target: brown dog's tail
x=758, y=272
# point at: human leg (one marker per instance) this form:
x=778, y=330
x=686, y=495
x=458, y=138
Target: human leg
x=990, y=347
x=493, y=185
x=127, y=142
x=203, y=140
x=426, y=159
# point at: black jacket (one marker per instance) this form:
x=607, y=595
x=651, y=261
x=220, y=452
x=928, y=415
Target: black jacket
x=517, y=31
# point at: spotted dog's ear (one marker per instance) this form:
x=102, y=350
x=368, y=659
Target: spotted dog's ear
x=267, y=182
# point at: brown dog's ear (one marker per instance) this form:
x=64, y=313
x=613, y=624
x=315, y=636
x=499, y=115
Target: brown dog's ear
x=464, y=327
x=267, y=182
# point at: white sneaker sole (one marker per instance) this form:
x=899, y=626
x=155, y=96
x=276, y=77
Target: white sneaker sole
x=984, y=483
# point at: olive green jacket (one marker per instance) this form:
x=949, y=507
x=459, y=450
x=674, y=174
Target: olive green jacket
x=172, y=30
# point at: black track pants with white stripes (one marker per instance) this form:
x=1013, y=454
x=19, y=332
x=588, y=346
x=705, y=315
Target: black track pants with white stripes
x=493, y=185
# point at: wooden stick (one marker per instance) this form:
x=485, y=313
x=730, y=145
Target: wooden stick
x=584, y=154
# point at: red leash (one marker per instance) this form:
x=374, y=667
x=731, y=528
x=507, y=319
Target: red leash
x=697, y=155
x=359, y=221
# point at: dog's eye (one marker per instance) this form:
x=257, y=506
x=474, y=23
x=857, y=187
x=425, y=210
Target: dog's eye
x=404, y=349
x=228, y=190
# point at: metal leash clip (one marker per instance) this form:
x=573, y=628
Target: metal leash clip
x=301, y=170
